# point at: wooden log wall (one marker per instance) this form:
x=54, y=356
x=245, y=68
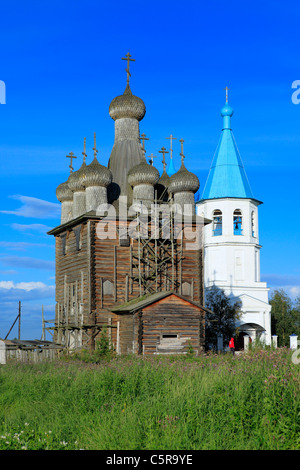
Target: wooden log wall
x=97, y=274
x=72, y=280
x=172, y=316
x=113, y=263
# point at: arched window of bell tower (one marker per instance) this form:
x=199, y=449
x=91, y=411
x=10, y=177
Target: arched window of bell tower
x=237, y=222
x=217, y=222
x=253, y=225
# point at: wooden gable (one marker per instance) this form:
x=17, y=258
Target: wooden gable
x=163, y=323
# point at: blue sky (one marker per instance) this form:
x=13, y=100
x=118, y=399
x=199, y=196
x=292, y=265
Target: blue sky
x=61, y=64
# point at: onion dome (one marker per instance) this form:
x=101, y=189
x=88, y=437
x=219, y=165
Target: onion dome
x=162, y=186
x=164, y=180
x=76, y=179
x=64, y=193
x=143, y=173
x=227, y=110
x=97, y=175
x=127, y=106
x=183, y=181
x=226, y=113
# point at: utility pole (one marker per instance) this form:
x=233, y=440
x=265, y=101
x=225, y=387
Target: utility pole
x=19, y=333
x=18, y=318
x=43, y=324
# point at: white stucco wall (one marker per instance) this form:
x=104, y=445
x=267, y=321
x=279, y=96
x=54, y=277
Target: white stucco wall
x=232, y=262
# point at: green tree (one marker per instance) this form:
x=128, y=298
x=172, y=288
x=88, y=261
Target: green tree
x=222, y=318
x=103, y=346
x=296, y=316
x=284, y=316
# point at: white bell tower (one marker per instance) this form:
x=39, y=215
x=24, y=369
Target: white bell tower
x=231, y=241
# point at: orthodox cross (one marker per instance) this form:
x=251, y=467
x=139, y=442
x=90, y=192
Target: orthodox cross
x=95, y=148
x=151, y=159
x=143, y=138
x=171, y=150
x=163, y=151
x=128, y=64
x=226, y=89
x=181, y=142
x=84, y=149
x=71, y=156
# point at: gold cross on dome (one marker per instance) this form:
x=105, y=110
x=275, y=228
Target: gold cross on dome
x=171, y=139
x=143, y=138
x=226, y=89
x=163, y=151
x=95, y=148
x=128, y=58
x=71, y=156
x=84, y=150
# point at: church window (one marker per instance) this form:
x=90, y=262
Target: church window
x=108, y=287
x=253, y=224
x=78, y=237
x=186, y=289
x=237, y=222
x=217, y=223
x=63, y=238
x=67, y=244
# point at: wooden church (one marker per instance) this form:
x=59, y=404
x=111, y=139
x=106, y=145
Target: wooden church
x=129, y=257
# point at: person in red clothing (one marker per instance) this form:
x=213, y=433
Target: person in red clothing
x=231, y=346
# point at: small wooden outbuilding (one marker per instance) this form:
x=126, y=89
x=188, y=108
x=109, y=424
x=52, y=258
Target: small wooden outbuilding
x=161, y=323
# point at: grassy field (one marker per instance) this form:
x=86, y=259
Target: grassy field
x=212, y=402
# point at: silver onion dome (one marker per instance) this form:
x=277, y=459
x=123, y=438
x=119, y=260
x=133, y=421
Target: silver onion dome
x=97, y=174
x=164, y=180
x=143, y=174
x=63, y=192
x=127, y=106
x=76, y=179
x=183, y=181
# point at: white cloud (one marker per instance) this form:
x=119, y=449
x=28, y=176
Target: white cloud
x=281, y=279
x=290, y=283
x=294, y=291
x=41, y=228
x=35, y=208
x=7, y=284
x=21, y=246
x=32, y=290
x=27, y=262
x=22, y=285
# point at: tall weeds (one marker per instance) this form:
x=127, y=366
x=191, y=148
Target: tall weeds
x=250, y=401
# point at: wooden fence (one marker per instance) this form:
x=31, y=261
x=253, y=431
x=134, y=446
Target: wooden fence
x=28, y=351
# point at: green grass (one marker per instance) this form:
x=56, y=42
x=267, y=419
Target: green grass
x=211, y=402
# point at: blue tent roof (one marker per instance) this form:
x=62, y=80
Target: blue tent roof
x=227, y=176
x=171, y=169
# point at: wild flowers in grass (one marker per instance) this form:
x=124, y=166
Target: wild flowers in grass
x=27, y=438
x=248, y=401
